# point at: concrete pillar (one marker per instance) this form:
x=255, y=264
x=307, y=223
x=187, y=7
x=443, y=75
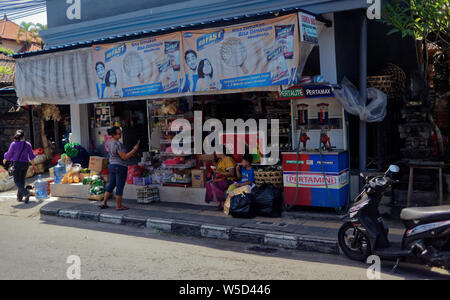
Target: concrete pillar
x=79, y=120
x=327, y=49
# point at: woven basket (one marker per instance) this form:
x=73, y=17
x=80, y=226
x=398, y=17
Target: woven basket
x=384, y=83
x=391, y=80
x=269, y=177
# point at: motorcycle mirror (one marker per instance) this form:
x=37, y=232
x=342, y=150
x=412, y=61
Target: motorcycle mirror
x=394, y=168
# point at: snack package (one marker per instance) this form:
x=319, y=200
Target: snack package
x=172, y=51
x=277, y=63
x=167, y=75
x=284, y=35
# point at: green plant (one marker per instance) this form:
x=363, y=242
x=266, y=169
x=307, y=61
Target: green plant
x=5, y=70
x=427, y=20
x=6, y=51
x=31, y=32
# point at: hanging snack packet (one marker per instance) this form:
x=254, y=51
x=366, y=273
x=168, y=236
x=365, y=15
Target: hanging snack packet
x=284, y=35
x=277, y=63
x=172, y=51
x=167, y=75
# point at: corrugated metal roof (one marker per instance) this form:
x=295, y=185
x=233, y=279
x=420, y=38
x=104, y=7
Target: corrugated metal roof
x=147, y=33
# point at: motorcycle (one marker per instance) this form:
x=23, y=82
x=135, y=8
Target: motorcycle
x=426, y=239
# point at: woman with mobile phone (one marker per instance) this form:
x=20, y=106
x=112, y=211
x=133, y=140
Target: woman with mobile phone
x=117, y=167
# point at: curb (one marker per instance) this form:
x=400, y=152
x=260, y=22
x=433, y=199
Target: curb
x=238, y=234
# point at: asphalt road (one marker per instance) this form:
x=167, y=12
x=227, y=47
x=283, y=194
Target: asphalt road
x=35, y=248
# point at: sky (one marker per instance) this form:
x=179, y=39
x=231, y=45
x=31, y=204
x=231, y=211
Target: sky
x=38, y=18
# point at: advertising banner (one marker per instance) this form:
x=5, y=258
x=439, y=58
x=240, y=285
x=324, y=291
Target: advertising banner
x=150, y=66
x=251, y=55
x=308, y=28
x=240, y=57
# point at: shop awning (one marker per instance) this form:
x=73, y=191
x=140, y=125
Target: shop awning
x=64, y=74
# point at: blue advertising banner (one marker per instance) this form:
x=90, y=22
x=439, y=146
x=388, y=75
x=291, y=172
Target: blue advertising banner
x=144, y=67
x=239, y=57
x=251, y=55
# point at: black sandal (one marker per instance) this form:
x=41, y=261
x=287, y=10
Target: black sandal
x=103, y=206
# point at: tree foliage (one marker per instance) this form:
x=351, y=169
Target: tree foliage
x=31, y=32
x=427, y=20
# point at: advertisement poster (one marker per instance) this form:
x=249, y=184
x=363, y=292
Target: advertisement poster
x=250, y=55
x=308, y=28
x=144, y=67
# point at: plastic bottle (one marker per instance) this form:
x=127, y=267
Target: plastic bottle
x=40, y=187
x=59, y=170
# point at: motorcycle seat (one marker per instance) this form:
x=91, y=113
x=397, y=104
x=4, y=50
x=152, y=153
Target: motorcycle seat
x=429, y=213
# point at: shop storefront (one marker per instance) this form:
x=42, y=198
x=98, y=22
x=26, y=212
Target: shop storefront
x=249, y=70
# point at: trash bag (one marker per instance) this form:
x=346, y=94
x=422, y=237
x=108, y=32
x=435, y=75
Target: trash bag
x=268, y=201
x=241, y=206
x=349, y=97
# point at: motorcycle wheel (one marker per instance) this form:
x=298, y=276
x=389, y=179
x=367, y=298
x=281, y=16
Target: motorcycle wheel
x=354, y=243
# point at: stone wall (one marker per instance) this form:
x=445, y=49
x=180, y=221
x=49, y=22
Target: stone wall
x=10, y=122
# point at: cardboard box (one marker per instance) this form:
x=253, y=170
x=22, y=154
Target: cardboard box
x=198, y=178
x=97, y=163
x=205, y=157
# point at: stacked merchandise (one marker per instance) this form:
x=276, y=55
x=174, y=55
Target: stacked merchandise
x=148, y=194
x=281, y=110
x=40, y=160
x=175, y=167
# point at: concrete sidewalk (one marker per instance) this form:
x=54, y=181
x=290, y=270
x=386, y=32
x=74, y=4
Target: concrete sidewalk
x=302, y=230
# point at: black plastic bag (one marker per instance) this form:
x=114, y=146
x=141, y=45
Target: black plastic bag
x=268, y=201
x=241, y=206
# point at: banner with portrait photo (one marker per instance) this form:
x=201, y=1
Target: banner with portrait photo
x=144, y=67
x=245, y=56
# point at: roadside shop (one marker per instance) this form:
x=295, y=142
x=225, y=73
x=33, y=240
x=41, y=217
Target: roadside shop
x=248, y=70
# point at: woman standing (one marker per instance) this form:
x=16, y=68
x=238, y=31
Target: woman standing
x=117, y=167
x=20, y=153
x=224, y=176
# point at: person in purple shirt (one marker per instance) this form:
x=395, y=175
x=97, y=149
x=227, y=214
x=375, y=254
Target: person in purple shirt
x=20, y=153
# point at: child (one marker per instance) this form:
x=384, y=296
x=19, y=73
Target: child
x=246, y=173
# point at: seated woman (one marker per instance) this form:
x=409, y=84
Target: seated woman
x=224, y=175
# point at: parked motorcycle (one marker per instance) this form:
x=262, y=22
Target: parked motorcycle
x=427, y=229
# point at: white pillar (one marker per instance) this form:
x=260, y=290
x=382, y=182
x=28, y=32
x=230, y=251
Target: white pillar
x=327, y=49
x=79, y=121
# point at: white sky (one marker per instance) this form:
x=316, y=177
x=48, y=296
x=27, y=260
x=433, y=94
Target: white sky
x=38, y=18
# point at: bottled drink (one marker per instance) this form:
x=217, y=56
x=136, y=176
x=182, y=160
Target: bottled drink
x=40, y=187
x=59, y=170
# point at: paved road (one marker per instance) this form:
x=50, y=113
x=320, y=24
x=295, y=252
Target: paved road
x=35, y=248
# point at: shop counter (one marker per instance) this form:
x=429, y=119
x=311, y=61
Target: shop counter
x=313, y=169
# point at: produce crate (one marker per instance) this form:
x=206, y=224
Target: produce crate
x=142, y=181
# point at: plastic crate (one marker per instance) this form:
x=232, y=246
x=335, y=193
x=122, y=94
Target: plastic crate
x=142, y=181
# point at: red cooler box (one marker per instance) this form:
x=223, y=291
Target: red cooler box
x=313, y=170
